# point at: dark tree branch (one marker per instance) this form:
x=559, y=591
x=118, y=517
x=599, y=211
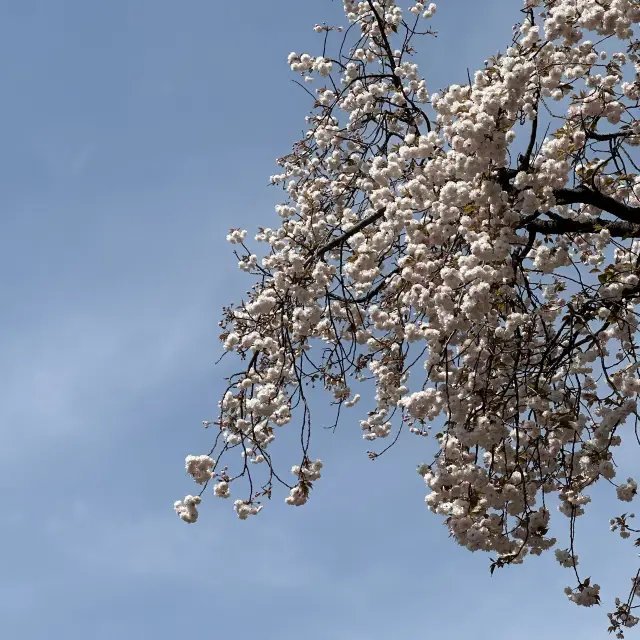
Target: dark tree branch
x=580, y=195
x=559, y=225
x=397, y=83
x=367, y=296
x=526, y=158
x=336, y=242
x=604, y=137
x=584, y=195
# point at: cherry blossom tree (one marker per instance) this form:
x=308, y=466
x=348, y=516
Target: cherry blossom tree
x=469, y=260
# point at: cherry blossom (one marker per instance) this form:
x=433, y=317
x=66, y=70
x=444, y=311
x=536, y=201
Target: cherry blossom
x=468, y=259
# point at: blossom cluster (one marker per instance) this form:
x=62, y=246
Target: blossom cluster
x=473, y=255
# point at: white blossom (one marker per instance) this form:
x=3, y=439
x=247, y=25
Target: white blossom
x=187, y=508
x=474, y=269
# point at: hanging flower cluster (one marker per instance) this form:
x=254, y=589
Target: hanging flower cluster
x=475, y=253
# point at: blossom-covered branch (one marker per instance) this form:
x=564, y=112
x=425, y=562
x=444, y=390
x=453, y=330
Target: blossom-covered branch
x=470, y=260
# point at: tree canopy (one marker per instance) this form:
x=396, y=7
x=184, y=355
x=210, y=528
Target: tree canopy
x=469, y=260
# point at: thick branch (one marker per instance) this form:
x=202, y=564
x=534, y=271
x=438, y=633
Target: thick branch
x=526, y=158
x=559, y=226
x=605, y=137
x=584, y=195
x=579, y=195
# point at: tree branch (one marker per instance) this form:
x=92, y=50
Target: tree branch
x=525, y=160
x=336, y=242
x=559, y=226
x=367, y=296
x=604, y=137
x=584, y=195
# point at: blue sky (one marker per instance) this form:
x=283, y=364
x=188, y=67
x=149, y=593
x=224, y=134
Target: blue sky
x=134, y=134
